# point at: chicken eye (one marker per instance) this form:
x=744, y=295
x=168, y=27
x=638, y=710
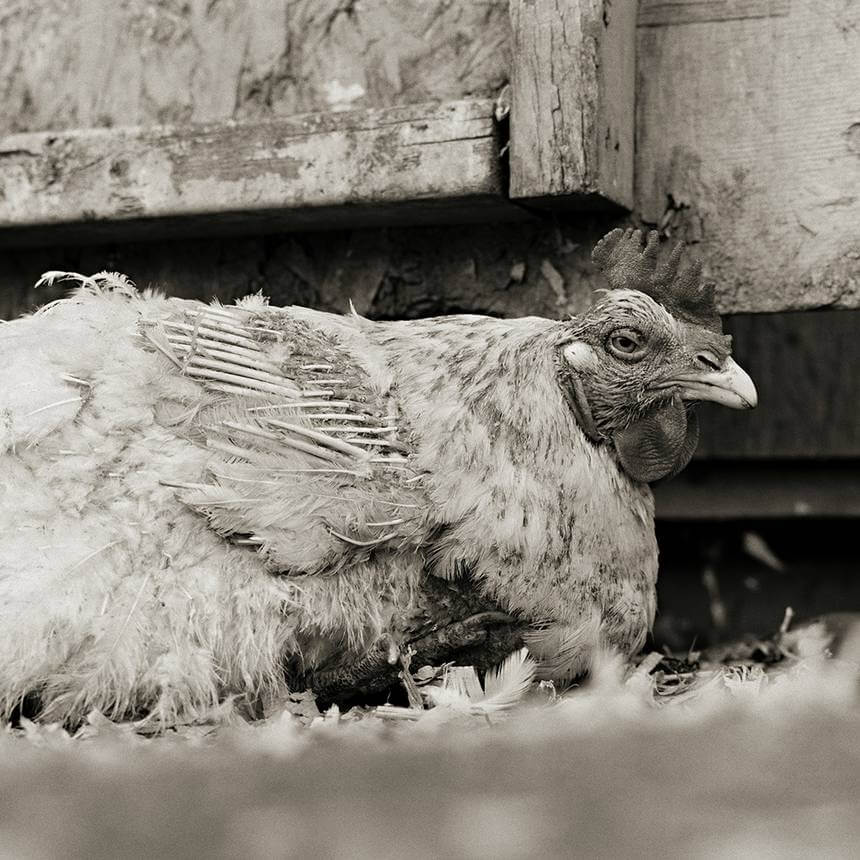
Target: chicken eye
x=626, y=344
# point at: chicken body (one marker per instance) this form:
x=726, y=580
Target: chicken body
x=189, y=494
x=122, y=584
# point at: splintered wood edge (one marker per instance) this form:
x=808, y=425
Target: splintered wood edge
x=410, y=164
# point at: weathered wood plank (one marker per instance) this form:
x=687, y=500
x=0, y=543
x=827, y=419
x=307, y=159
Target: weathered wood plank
x=748, y=144
x=98, y=63
x=572, y=105
x=419, y=162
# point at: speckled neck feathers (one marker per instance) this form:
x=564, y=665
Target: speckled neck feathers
x=544, y=520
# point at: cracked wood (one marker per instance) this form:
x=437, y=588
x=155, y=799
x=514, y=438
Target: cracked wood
x=572, y=114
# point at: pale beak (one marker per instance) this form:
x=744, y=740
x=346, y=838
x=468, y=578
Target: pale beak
x=730, y=386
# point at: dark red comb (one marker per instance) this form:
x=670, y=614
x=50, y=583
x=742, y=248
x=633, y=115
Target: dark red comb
x=626, y=265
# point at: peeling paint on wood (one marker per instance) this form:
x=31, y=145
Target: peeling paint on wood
x=287, y=169
x=748, y=143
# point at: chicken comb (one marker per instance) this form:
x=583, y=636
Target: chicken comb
x=626, y=265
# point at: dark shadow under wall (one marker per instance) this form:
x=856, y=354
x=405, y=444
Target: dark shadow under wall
x=505, y=269
x=721, y=581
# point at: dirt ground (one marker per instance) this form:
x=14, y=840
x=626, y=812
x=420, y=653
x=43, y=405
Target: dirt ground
x=744, y=764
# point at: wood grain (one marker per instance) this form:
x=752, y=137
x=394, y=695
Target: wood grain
x=572, y=79
x=748, y=133
x=748, y=145
x=437, y=162
x=656, y=13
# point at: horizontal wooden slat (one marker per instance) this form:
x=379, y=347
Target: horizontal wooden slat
x=739, y=490
x=412, y=164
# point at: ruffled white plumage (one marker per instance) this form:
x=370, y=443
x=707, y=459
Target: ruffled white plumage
x=115, y=593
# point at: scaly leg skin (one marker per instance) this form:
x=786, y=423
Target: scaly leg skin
x=450, y=623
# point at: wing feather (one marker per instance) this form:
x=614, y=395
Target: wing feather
x=308, y=465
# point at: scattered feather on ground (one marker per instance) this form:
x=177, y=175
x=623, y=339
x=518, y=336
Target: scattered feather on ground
x=745, y=759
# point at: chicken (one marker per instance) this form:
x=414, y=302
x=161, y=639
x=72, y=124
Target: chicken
x=192, y=494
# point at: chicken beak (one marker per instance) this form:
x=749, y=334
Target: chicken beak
x=730, y=386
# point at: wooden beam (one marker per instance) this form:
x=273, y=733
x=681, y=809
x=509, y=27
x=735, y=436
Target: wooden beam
x=733, y=490
x=412, y=164
x=748, y=145
x=572, y=102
